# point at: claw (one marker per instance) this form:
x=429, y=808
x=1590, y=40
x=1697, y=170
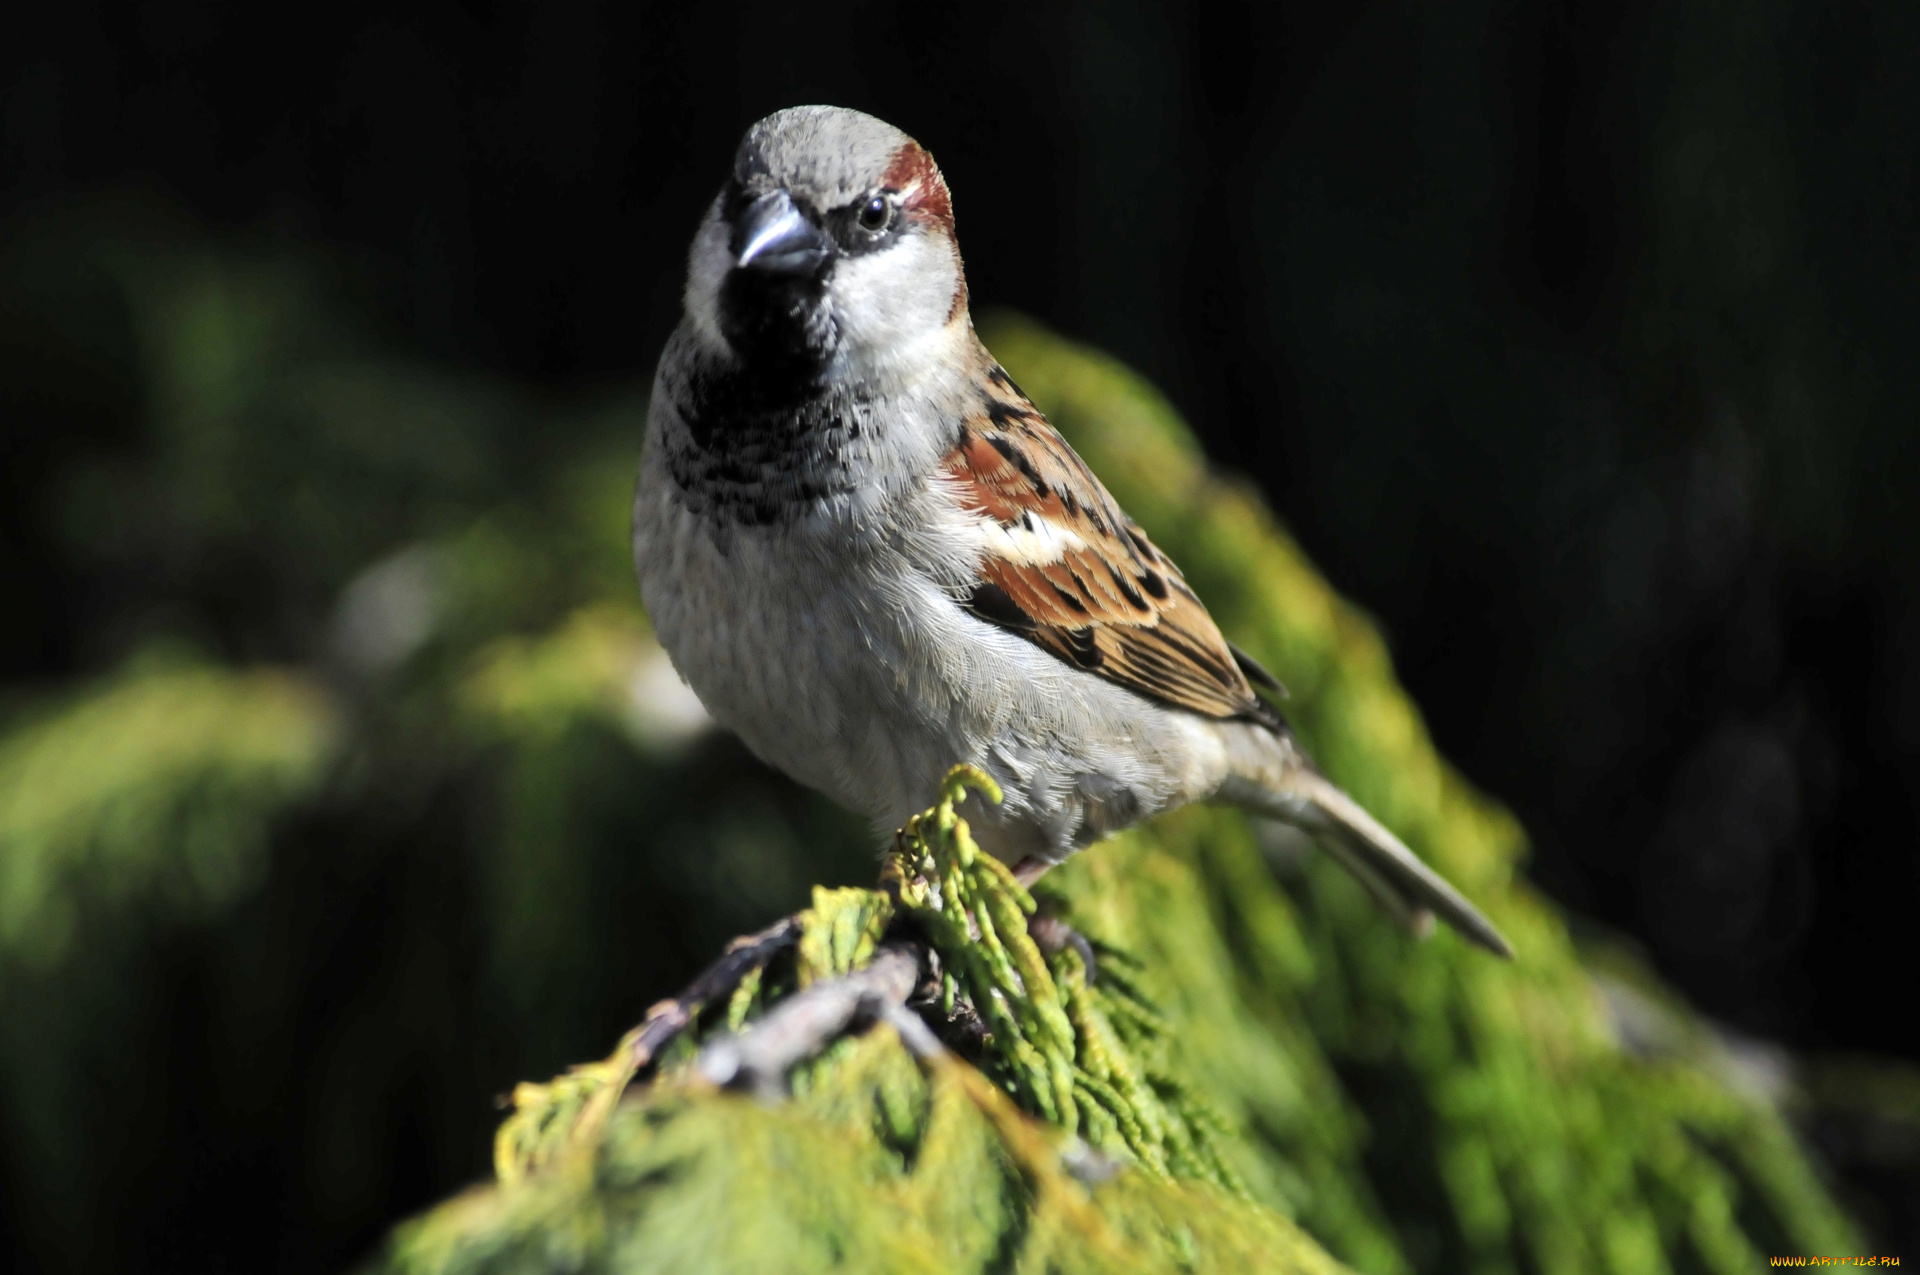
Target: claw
x=1052, y=934
x=1030, y=869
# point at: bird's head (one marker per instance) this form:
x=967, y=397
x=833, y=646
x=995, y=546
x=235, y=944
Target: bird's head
x=829, y=252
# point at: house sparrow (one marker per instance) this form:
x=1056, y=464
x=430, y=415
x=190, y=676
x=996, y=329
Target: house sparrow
x=872, y=557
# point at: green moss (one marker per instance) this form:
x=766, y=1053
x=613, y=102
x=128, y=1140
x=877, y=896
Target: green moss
x=950, y=1179
x=1086, y=1055
x=880, y=1163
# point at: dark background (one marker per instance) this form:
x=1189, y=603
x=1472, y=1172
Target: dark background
x=1575, y=341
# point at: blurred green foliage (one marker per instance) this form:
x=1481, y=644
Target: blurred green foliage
x=157, y=784
x=296, y=875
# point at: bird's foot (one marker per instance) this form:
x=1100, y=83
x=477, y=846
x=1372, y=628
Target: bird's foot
x=1053, y=935
x=1031, y=869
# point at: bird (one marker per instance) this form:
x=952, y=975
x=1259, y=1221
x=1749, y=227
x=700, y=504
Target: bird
x=872, y=557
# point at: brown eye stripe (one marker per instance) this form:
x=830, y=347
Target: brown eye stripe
x=914, y=173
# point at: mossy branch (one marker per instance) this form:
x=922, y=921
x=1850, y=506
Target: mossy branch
x=1072, y=1053
x=1072, y=1098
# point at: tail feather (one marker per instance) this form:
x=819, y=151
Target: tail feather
x=1410, y=891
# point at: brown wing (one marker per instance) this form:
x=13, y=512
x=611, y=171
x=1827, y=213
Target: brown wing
x=1071, y=573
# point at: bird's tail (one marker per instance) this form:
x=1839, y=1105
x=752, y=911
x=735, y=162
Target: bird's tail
x=1408, y=889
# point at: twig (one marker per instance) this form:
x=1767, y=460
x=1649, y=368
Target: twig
x=668, y=1018
x=914, y=1033
x=806, y=1022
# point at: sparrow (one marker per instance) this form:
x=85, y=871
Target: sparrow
x=871, y=556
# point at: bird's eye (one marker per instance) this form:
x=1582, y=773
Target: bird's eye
x=875, y=213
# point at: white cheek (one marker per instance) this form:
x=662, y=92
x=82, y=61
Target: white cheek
x=708, y=262
x=891, y=306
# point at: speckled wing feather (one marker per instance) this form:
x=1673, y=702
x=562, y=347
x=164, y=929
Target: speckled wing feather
x=1066, y=568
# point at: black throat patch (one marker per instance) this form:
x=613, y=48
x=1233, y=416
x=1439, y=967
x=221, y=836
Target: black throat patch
x=762, y=446
x=777, y=323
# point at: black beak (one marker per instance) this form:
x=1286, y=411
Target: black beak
x=775, y=237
